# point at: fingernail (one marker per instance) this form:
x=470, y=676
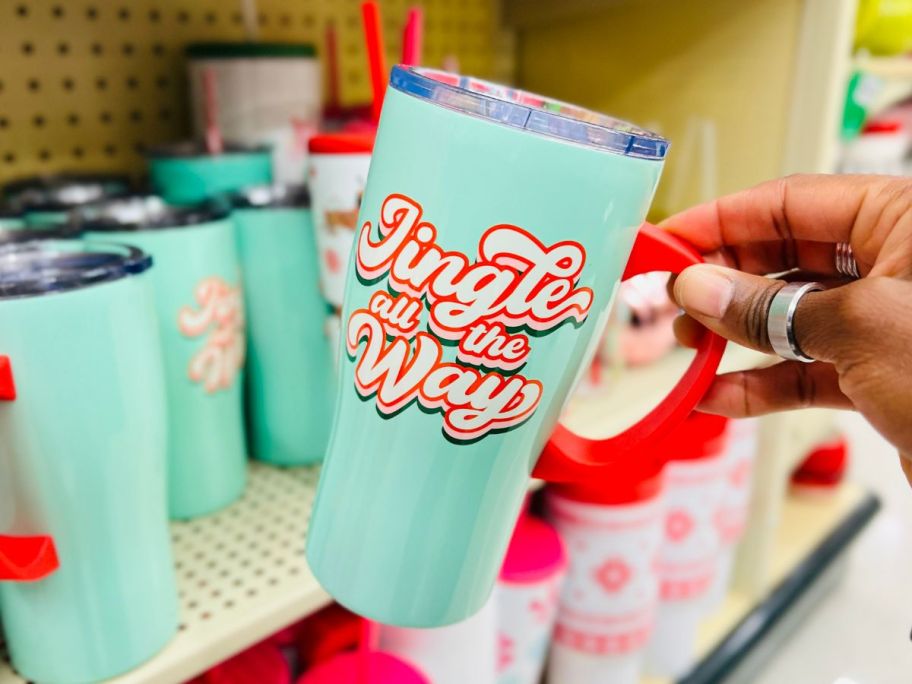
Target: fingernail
x=704, y=289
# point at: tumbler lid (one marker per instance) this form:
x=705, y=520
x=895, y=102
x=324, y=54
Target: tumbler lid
x=61, y=192
x=701, y=435
x=341, y=143
x=535, y=113
x=49, y=266
x=371, y=667
x=145, y=212
x=536, y=552
x=272, y=196
x=630, y=481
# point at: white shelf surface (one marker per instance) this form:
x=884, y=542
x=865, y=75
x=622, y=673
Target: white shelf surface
x=242, y=574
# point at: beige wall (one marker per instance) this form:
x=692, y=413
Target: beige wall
x=681, y=66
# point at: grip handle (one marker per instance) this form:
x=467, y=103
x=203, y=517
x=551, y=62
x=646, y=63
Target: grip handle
x=567, y=457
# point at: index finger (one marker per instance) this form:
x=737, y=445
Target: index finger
x=815, y=208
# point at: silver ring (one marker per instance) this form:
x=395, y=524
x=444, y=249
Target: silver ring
x=845, y=260
x=780, y=321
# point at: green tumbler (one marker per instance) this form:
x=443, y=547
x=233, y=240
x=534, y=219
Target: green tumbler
x=47, y=200
x=201, y=319
x=87, y=586
x=185, y=173
x=11, y=217
x=290, y=370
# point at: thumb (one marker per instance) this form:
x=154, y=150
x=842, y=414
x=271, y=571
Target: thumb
x=736, y=305
x=731, y=303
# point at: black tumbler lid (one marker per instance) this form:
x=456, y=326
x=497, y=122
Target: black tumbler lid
x=145, y=212
x=43, y=267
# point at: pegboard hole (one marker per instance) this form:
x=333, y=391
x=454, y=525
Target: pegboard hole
x=22, y=10
x=28, y=49
x=91, y=13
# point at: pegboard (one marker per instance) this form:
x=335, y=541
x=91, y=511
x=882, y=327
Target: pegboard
x=87, y=84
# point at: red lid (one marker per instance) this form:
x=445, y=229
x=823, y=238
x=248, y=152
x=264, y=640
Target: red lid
x=371, y=667
x=261, y=664
x=826, y=464
x=883, y=126
x=536, y=552
x=701, y=435
x=625, y=482
x=326, y=633
x=341, y=143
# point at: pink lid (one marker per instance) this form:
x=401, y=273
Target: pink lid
x=261, y=664
x=536, y=552
x=365, y=668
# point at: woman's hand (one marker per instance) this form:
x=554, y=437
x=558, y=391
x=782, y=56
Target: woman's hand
x=860, y=331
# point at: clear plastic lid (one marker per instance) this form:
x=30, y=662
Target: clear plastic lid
x=272, y=196
x=64, y=191
x=144, y=212
x=528, y=111
x=44, y=267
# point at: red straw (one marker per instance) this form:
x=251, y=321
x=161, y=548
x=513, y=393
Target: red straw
x=370, y=13
x=332, y=59
x=412, y=37
x=213, y=134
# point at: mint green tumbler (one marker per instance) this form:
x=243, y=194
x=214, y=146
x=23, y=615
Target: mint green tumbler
x=185, y=173
x=290, y=370
x=201, y=321
x=494, y=229
x=87, y=586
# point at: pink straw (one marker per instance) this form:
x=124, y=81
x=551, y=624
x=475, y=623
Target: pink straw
x=214, y=144
x=412, y=37
x=370, y=13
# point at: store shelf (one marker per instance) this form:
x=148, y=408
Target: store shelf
x=811, y=541
x=241, y=575
x=628, y=395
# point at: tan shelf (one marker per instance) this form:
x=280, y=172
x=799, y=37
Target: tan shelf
x=241, y=575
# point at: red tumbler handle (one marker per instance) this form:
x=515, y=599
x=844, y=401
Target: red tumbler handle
x=23, y=559
x=570, y=458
